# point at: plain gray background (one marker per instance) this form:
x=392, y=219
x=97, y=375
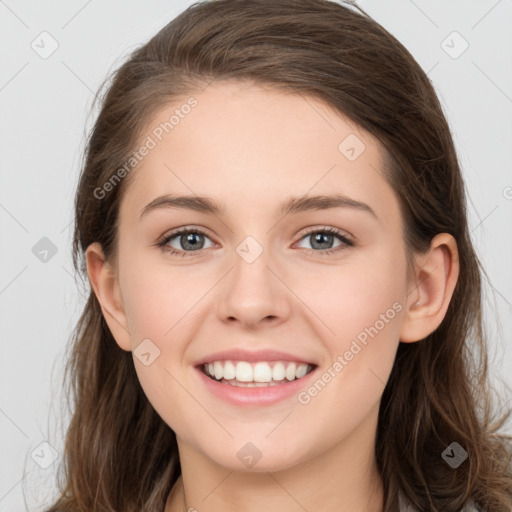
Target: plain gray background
x=45, y=104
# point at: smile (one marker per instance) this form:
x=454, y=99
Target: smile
x=255, y=374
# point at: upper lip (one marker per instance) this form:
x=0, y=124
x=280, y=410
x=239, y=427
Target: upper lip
x=251, y=356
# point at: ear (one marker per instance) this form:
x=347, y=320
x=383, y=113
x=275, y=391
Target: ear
x=436, y=274
x=105, y=284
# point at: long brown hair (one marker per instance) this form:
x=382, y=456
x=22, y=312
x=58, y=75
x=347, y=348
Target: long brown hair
x=119, y=454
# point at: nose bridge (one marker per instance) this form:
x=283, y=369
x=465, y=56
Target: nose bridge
x=252, y=292
x=251, y=271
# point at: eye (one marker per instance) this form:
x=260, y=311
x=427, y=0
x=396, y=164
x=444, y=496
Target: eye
x=190, y=240
x=323, y=238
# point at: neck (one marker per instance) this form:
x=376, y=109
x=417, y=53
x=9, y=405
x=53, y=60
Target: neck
x=343, y=478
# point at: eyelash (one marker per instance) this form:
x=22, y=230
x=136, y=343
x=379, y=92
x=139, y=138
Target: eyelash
x=162, y=243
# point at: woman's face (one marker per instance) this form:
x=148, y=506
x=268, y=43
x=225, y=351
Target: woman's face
x=257, y=281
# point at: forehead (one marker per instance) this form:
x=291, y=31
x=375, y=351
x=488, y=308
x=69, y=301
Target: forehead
x=251, y=146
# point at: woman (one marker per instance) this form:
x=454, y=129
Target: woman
x=220, y=363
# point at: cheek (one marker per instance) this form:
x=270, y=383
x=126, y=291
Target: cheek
x=362, y=304
x=152, y=305
x=159, y=305
x=349, y=299
x=158, y=297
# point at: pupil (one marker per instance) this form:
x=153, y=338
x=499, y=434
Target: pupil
x=319, y=236
x=189, y=240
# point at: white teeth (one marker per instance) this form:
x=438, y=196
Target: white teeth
x=262, y=372
x=290, y=371
x=229, y=370
x=255, y=374
x=243, y=372
x=301, y=371
x=218, y=370
x=278, y=372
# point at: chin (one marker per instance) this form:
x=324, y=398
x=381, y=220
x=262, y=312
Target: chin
x=253, y=457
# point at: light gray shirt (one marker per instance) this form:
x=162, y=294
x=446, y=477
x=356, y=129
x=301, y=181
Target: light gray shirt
x=406, y=506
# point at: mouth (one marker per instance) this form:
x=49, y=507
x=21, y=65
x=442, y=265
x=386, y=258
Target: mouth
x=255, y=374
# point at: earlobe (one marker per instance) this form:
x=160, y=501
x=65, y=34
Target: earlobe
x=436, y=275
x=104, y=283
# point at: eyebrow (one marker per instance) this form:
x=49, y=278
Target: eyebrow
x=292, y=205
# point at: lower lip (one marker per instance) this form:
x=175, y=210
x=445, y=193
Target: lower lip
x=255, y=396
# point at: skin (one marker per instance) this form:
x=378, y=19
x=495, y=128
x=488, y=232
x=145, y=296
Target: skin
x=250, y=148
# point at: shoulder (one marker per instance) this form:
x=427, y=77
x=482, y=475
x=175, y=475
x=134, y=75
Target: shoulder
x=470, y=507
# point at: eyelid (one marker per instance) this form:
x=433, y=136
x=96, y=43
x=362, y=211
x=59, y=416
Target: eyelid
x=335, y=231
x=164, y=239
x=346, y=241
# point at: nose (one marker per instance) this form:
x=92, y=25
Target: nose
x=254, y=293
